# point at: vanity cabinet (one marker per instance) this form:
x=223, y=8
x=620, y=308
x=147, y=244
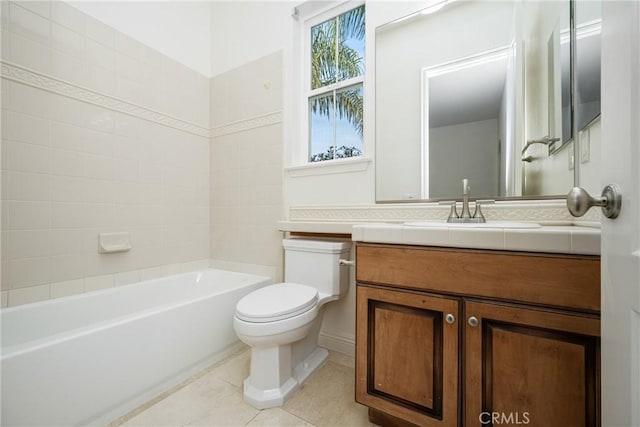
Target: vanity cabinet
x=448, y=337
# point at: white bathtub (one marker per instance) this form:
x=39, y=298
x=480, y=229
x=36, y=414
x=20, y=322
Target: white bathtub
x=90, y=358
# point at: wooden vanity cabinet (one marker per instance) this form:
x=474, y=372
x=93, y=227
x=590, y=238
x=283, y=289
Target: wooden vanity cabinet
x=448, y=337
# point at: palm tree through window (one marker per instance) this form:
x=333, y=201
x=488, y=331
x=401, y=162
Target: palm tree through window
x=336, y=83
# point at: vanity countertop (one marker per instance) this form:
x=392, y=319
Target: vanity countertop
x=568, y=239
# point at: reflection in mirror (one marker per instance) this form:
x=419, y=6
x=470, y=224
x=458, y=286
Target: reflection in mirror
x=588, y=17
x=447, y=103
x=467, y=109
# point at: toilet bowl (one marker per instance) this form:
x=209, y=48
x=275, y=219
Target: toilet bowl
x=282, y=322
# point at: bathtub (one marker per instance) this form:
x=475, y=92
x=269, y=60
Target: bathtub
x=88, y=359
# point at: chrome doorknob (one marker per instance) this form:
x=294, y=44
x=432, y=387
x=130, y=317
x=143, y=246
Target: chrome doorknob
x=579, y=201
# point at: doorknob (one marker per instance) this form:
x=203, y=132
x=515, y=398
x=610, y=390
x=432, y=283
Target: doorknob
x=579, y=201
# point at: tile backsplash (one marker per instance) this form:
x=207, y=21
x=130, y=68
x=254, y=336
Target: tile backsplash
x=72, y=167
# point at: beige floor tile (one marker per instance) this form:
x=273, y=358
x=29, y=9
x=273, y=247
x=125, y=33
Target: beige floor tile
x=277, y=417
x=342, y=359
x=234, y=369
x=327, y=399
x=208, y=401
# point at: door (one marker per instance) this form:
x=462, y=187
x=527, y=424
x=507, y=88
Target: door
x=621, y=237
x=530, y=366
x=410, y=367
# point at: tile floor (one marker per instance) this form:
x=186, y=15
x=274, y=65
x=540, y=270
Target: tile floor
x=214, y=398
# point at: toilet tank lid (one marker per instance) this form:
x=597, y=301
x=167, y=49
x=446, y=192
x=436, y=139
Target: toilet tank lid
x=317, y=245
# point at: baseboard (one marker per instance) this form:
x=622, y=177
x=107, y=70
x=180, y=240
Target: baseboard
x=338, y=343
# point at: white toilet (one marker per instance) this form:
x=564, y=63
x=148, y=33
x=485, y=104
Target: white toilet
x=281, y=322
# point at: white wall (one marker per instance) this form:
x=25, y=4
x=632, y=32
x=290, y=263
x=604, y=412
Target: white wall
x=242, y=31
x=467, y=150
x=178, y=29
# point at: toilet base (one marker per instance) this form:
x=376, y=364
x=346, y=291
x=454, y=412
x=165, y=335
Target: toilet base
x=261, y=394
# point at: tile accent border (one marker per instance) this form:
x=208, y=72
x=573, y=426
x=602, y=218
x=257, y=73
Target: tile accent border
x=541, y=211
x=247, y=124
x=42, y=81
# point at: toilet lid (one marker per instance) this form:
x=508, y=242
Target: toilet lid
x=276, y=302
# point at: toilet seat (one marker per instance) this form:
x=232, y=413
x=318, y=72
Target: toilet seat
x=276, y=302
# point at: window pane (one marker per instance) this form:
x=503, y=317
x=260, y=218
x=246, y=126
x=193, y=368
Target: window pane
x=323, y=54
x=351, y=44
x=321, y=128
x=344, y=34
x=349, y=122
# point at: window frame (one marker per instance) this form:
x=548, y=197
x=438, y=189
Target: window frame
x=306, y=93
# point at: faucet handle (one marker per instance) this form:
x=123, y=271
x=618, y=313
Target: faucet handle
x=454, y=212
x=478, y=212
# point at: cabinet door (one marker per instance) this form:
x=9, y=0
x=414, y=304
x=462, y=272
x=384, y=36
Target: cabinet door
x=530, y=366
x=407, y=355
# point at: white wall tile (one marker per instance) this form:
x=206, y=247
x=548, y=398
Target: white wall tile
x=64, y=289
x=67, y=267
x=67, y=41
x=99, y=31
x=127, y=67
x=99, y=143
x=126, y=125
x=69, y=241
x=42, y=8
x=97, y=283
x=28, y=244
x=32, y=187
x=17, y=156
x=67, y=15
x=100, y=119
x=28, y=215
x=66, y=162
x=29, y=272
x=26, y=99
x=68, y=110
x=99, y=167
x=98, y=191
x=67, y=188
x=5, y=294
x=28, y=24
x=68, y=215
x=31, y=54
x=67, y=68
x=5, y=52
x=28, y=295
x=99, y=54
x=126, y=278
x=99, y=79
x=26, y=128
x=67, y=137
x=126, y=170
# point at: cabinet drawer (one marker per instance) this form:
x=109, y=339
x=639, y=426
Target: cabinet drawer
x=567, y=281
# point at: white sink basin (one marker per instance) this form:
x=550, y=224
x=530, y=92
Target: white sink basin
x=490, y=224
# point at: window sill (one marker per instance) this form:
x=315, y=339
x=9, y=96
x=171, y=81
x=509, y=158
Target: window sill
x=357, y=164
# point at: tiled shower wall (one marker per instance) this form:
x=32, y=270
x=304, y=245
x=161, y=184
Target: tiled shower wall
x=246, y=167
x=99, y=134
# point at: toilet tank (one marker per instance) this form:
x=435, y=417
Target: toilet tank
x=315, y=263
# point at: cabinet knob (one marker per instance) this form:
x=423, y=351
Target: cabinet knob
x=450, y=318
x=473, y=321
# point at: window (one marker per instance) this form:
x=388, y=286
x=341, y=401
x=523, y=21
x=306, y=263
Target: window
x=335, y=86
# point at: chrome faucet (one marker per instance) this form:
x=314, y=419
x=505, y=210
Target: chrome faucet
x=466, y=215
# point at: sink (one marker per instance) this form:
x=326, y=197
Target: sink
x=490, y=224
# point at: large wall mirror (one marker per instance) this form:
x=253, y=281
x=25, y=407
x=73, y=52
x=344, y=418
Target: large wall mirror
x=485, y=90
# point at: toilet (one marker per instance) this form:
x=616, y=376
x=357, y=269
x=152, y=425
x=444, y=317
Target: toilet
x=282, y=322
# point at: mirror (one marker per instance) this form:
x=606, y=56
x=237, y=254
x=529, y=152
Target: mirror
x=478, y=90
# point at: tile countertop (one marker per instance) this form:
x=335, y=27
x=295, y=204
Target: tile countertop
x=566, y=239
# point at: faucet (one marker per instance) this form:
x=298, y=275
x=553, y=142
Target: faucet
x=466, y=216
